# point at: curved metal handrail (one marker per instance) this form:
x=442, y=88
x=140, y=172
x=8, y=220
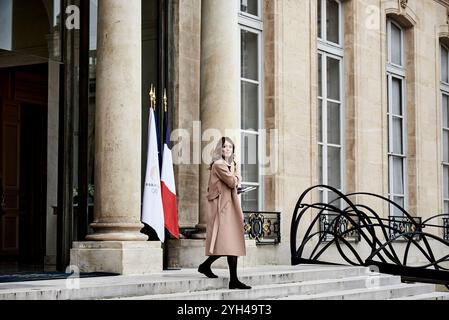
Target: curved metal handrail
x=380, y=234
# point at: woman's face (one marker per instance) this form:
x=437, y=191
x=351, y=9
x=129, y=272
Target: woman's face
x=226, y=150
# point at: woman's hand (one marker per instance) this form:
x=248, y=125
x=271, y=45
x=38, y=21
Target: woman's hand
x=235, y=169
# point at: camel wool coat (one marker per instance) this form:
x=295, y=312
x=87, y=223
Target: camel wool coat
x=225, y=225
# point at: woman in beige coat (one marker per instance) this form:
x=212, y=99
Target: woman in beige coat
x=224, y=236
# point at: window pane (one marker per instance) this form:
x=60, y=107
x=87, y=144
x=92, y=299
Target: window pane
x=250, y=106
x=398, y=175
x=333, y=123
x=397, y=97
x=320, y=164
x=333, y=199
x=250, y=173
x=444, y=64
x=333, y=21
x=250, y=60
x=396, y=43
x=250, y=168
x=249, y=150
x=93, y=24
x=320, y=18
x=446, y=207
x=400, y=202
x=333, y=78
x=445, y=111
x=446, y=182
x=445, y=146
x=6, y=16
x=320, y=75
x=249, y=6
x=397, y=136
x=334, y=167
x=250, y=201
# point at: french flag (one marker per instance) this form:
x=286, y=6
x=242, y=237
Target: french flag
x=168, y=185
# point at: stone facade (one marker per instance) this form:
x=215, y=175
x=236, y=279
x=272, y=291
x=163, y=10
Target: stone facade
x=290, y=103
x=206, y=94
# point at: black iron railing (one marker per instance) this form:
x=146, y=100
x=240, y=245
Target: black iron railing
x=345, y=229
x=264, y=227
x=446, y=228
x=398, y=226
x=316, y=227
x=402, y=225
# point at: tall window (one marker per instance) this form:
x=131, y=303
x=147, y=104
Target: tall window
x=251, y=27
x=330, y=97
x=397, y=165
x=444, y=85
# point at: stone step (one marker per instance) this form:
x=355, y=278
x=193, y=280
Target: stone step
x=275, y=282
x=168, y=282
x=379, y=293
x=427, y=296
x=276, y=290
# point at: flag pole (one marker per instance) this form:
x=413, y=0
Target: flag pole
x=167, y=234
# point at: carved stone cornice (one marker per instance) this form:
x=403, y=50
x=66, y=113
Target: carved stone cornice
x=403, y=3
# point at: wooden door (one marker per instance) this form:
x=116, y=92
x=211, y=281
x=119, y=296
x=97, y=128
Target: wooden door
x=9, y=222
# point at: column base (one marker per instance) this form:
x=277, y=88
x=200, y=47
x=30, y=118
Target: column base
x=117, y=232
x=190, y=253
x=125, y=258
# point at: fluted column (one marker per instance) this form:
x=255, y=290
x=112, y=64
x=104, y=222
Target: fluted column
x=118, y=131
x=220, y=78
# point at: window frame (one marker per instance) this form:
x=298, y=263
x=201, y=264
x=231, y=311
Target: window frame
x=253, y=24
x=399, y=69
x=444, y=91
x=323, y=39
x=335, y=51
x=398, y=72
x=258, y=17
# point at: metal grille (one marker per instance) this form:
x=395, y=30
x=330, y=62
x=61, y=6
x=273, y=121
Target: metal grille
x=403, y=225
x=264, y=227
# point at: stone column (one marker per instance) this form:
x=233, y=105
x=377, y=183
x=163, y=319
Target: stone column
x=118, y=246
x=220, y=80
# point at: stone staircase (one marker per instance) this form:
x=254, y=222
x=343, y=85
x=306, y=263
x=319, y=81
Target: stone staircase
x=269, y=283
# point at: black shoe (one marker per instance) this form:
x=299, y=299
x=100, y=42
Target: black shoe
x=206, y=271
x=238, y=285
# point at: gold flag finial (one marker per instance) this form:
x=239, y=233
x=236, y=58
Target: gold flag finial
x=150, y=95
x=154, y=98
x=165, y=100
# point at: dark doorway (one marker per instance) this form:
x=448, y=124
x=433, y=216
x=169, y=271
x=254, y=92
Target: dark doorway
x=33, y=183
x=23, y=169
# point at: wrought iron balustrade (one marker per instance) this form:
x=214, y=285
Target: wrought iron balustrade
x=333, y=223
x=264, y=227
x=403, y=224
x=446, y=228
x=392, y=242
